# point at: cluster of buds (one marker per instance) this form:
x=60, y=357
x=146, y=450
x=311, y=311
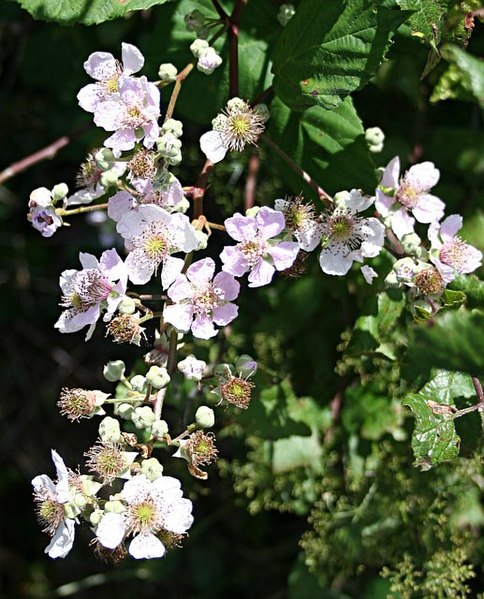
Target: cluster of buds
x=208, y=59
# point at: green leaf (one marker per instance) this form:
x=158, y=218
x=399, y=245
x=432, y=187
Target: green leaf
x=434, y=439
x=87, y=12
x=296, y=452
x=329, y=145
x=453, y=299
x=464, y=78
x=473, y=289
x=426, y=19
x=390, y=306
x=330, y=49
x=453, y=340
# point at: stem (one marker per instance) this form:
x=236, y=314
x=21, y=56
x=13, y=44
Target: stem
x=81, y=210
x=200, y=188
x=234, y=47
x=176, y=90
x=251, y=183
x=459, y=413
x=396, y=246
x=262, y=96
x=186, y=432
x=223, y=15
x=172, y=352
x=150, y=297
x=158, y=403
x=480, y=396
x=322, y=195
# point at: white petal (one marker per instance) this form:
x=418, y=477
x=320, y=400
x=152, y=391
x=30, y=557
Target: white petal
x=368, y=273
x=212, y=146
x=146, y=546
x=422, y=176
x=132, y=58
x=111, y=530
x=375, y=238
x=335, y=262
x=172, y=267
x=62, y=540
x=391, y=174
x=62, y=486
x=357, y=202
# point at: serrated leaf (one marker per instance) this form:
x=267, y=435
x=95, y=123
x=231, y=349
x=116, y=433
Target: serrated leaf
x=87, y=12
x=330, y=49
x=390, y=306
x=434, y=439
x=453, y=299
x=329, y=145
x=473, y=289
x=453, y=340
x=464, y=78
x=426, y=19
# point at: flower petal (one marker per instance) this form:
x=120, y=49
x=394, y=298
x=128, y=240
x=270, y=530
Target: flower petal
x=201, y=271
x=283, y=254
x=261, y=274
x=270, y=222
x=62, y=541
x=203, y=328
x=450, y=227
x=111, y=530
x=402, y=223
x=132, y=58
x=428, y=209
x=222, y=315
x=228, y=285
x=179, y=315
x=212, y=145
x=146, y=546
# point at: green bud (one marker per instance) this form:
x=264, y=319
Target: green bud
x=127, y=305
x=71, y=510
x=59, y=192
x=114, y=506
x=114, y=371
x=158, y=377
x=109, y=178
x=263, y=111
x=173, y=126
x=198, y=46
x=124, y=410
x=109, y=430
x=174, y=159
x=167, y=72
x=245, y=365
x=252, y=211
x=205, y=417
x=80, y=501
x=202, y=240
x=143, y=417
x=285, y=14
x=159, y=428
x=411, y=243
x=151, y=468
x=374, y=136
x=194, y=21
x=95, y=517
x=138, y=382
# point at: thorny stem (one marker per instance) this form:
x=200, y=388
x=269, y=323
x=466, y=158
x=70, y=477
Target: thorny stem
x=81, y=210
x=322, y=195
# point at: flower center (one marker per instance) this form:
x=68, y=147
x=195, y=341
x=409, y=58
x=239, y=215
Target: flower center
x=106, y=460
x=154, y=242
x=453, y=253
x=112, y=84
x=205, y=300
x=50, y=514
x=252, y=250
x=92, y=287
x=407, y=196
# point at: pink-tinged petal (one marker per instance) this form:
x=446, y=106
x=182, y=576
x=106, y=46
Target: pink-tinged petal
x=131, y=224
x=62, y=540
x=446, y=272
x=66, y=280
x=62, y=485
x=261, y=274
x=201, y=271
x=140, y=270
x=428, y=209
x=283, y=254
x=271, y=222
x=89, y=97
x=226, y=283
x=146, y=546
x=357, y=202
x=281, y=205
x=100, y=66
x=152, y=213
x=334, y=262
x=132, y=58
x=422, y=176
x=85, y=196
x=368, y=274
x=433, y=234
x=88, y=260
x=203, y=328
x=109, y=115
x=383, y=203
x=233, y=261
x=241, y=227
x=391, y=174
x=113, y=267
x=450, y=227
x=119, y=204
x=211, y=144
x=309, y=240
x=179, y=315
x=180, y=289
x=171, y=269
x=111, y=530
x=222, y=315
x=43, y=483
x=121, y=141
x=71, y=322
x=402, y=223
x=374, y=238
x=473, y=259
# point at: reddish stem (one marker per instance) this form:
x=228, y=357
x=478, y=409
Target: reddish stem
x=200, y=188
x=251, y=183
x=234, y=47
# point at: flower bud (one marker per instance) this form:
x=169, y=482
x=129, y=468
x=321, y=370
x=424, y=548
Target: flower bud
x=109, y=178
x=167, y=72
x=285, y=14
x=411, y=243
x=114, y=371
x=151, y=468
x=252, y=211
x=159, y=428
x=208, y=61
x=223, y=370
x=158, y=377
x=245, y=365
x=374, y=136
x=198, y=46
x=263, y=111
x=138, y=382
x=205, y=417
x=202, y=240
x=109, y=430
x=143, y=417
x=59, y=192
x=114, y=506
x=172, y=126
x=182, y=206
x=95, y=517
x=127, y=305
x=194, y=21
x=168, y=145
x=124, y=410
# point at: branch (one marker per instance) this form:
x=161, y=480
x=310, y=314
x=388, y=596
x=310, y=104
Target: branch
x=322, y=195
x=200, y=188
x=222, y=14
x=81, y=210
x=251, y=183
x=182, y=75
x=234, y=47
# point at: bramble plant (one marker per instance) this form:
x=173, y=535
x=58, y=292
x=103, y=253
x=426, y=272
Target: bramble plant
x=417, y=342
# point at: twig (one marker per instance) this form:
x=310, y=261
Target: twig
x=170, y=366
x=262, y=96
x=251, y=183
x=322, y=195
x=81, y=210
x=182, y=75
x=480, y=396
x=220, y=10
x=234, y=47
x=200, y=188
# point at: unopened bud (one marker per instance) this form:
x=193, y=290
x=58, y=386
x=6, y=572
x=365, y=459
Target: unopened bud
x=208, y=61
x=205, y=417
x=202, y=240
x=223, y=371
x=138, y=382
x=114, y=371
x=158, y=377
x=59, y=192
x=198, y=46
x=263, y=111
x=127, y=305
x=143, y=417
x=172, y=126
x=245, y=365
x=167, y=72
x=159, y=428
x=110, y=177
x=124, y=410
x=109, y=430
x=194, y=20
x=151, y=468
x=374, y=137
x=114, y=506
x=285, y=14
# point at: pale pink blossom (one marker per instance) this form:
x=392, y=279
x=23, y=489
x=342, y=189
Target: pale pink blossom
x=450, y=254
x=368, y=273
x=201, y=300
x=257, y=252
x=151, y=235
x=107, y=71
x=99, y=287
x=397, y=198
x=45, y=220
